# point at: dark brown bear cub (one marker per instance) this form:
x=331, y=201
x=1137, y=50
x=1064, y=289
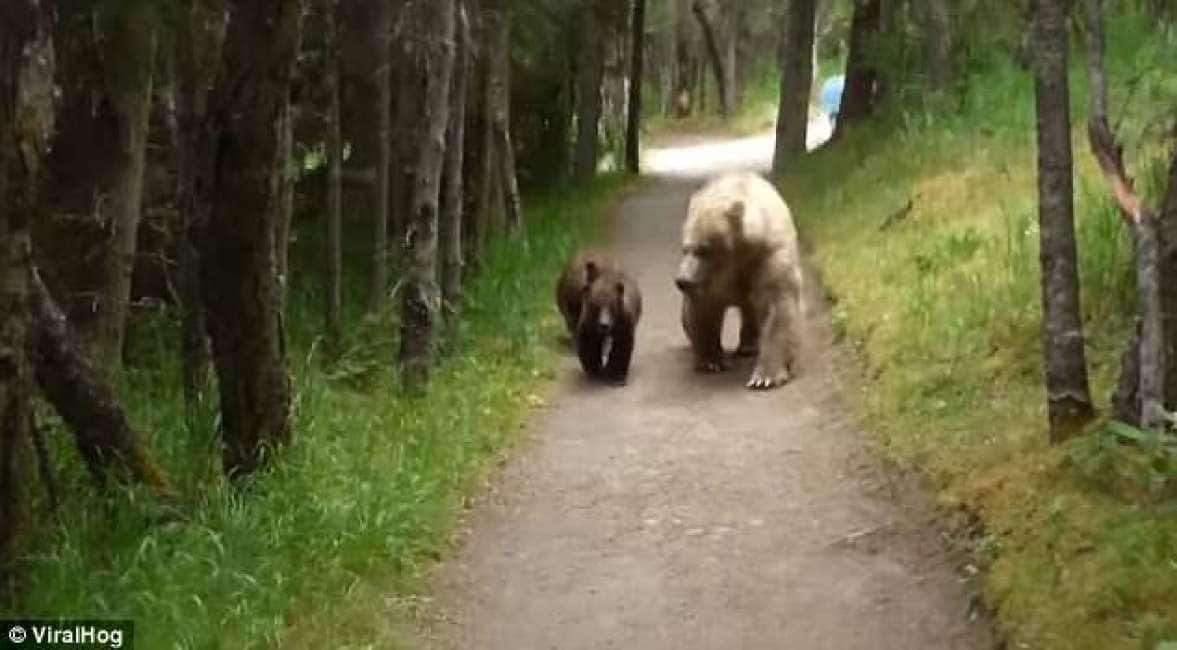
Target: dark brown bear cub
x=574, y=284
x=609, y=317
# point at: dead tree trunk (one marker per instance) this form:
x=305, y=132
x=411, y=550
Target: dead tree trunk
x=858, y=97
x=334, y=238
x=80, y=394
x=796, y=84
x=199, y=37
x=434, y=21
x=450, y=229
x=27, y=63
x=379, y=282
x=589, y=74
x=713, y=54
x=1068, y=393
x=633, y=126
x=1149, y=344
x=239, y=257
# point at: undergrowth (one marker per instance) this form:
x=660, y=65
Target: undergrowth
x=924, y=224
x=325, y=547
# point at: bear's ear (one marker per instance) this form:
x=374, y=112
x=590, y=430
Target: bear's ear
x=621, y=288
x=735, y=215
x=590, y=270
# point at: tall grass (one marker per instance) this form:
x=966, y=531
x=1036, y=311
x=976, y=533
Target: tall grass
x=311, y=552
x=945, y=306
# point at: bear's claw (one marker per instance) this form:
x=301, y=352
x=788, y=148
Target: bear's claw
x=761, y=381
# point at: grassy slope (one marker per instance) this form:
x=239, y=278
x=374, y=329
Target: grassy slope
x=945, y=308
x=317, y=552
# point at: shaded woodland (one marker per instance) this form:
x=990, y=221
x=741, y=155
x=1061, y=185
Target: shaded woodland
x=228, y=188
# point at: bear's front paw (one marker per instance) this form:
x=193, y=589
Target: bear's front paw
x=710, y=365
x=761, y=380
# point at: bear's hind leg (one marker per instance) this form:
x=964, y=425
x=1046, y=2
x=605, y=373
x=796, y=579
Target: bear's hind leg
x=779, y=345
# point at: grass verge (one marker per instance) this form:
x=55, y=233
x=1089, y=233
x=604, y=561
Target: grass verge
x=320, y=549
x=924, y=227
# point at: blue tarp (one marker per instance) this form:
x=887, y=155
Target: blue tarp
x=830, y=97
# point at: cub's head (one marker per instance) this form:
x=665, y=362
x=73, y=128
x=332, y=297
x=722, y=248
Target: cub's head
x=604, y=304
x=709, y=247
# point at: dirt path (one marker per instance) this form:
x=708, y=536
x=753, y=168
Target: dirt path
x=685, y=512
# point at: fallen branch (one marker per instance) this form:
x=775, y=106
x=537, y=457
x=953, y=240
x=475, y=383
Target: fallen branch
x=87, y=404
x=898, y=215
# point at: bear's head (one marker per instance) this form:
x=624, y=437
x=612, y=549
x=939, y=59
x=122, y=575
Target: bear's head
x=604, y=304
x=710, y=237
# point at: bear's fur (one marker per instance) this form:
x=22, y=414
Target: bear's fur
x=574, y=282
x=609, y=316
x=740, y=250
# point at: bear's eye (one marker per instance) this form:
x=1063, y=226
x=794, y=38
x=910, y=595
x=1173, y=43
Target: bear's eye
x=701, y=251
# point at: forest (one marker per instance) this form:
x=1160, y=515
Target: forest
x=276, y=316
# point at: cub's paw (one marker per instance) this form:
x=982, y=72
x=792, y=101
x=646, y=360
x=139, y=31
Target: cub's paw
x=747, y=351
x=710, y=365
x=761, y=380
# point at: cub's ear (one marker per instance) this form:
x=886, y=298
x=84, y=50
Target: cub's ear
x=735, y=215
x=591, y=271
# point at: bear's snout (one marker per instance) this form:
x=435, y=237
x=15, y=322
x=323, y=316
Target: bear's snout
x=687, y=279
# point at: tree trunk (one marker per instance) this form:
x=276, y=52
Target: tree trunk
x=450, y=227
x=239, y=258
x=858, y=96
x=334, y=238
x=633, y=126
x=199, y=38
x=479, y=149
x=379, y=282
x=434, y=22
x=734, y=11
x=589, y=74
x=1168, y=231
x=284, y=176
x=713, y=55
x=26, y=125
x=505, y=184
x=407, y=124
x=1152, y=349
x=796, y=84
x=938, y=42
x=684, y=60
x=1068, y=395
x=83, y=398
x=97, y=162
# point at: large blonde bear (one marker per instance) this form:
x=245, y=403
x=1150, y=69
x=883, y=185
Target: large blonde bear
x=740, y=250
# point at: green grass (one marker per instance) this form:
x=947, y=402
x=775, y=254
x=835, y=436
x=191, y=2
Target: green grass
x=325, y=548
x=1080, y=539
